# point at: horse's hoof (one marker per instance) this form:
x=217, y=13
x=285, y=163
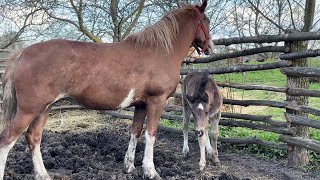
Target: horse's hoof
x=202, y=167
x=130, y=168
x=157, y=177
x=43, y=177
x=151, y=174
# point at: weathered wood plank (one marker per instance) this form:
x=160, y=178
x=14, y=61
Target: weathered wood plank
x=301, y=71
x=298, y=36
x=300, y=54
x=302, y=121
x=239, y=68
x=284, y=104
x=301, y=142
x=290, y=91
x=217, y=57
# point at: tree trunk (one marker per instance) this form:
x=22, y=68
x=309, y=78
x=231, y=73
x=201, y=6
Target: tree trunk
x=298, y=156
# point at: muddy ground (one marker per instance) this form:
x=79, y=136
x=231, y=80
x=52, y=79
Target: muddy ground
x=93, y=146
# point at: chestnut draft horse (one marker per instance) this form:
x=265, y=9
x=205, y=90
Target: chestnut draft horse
x=142, y=71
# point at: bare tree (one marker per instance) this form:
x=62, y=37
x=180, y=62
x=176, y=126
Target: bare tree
x=17, y=17
x=92, y=18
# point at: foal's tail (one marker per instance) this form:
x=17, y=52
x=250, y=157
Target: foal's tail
x=9, y=104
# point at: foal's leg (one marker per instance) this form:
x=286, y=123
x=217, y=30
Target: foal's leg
x=186, y=120
x=34, y=135
x=11, y=133
x=202, y=144
x=154, y=110
x=138, y=120
x=215, y=133
x=208, y=145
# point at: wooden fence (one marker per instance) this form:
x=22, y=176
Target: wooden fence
x=293, y=132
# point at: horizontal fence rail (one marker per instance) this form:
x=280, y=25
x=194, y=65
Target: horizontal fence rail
x=300, y=54
x=302, y=71
x=217, y=57
x=239, y=68
x=298, y=36
x=290, y=91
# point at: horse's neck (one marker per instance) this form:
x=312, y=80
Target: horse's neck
x=184, y=38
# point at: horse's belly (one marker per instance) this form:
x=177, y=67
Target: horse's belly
x=106, y=99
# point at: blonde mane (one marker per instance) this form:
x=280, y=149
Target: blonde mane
x=162, y=34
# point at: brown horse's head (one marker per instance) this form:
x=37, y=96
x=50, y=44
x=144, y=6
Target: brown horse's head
x=202, y=38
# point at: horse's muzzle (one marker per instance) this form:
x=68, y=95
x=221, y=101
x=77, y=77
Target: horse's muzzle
x=199, y=133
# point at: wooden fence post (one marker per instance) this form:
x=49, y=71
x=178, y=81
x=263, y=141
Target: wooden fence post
x=298, y=156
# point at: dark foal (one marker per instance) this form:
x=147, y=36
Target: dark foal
x=201, y=98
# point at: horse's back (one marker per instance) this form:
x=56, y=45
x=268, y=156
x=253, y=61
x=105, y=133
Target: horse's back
x=97, y=75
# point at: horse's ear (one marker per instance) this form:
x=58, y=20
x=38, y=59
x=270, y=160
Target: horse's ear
x=182, y=4
x=203, y=6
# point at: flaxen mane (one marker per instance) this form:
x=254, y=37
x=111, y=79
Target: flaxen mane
x=162, y=34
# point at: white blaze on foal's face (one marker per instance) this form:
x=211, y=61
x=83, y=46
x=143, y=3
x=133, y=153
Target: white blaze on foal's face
x=200, y=106
x=128, y=100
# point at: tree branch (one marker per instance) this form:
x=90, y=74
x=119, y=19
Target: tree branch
x=266, y=17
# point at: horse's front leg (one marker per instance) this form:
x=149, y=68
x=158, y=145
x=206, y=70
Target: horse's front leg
x=138, y=120
x=154, y=109
x=215, y=133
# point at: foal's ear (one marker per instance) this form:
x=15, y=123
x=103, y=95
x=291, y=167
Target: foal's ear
x=205, y=98
x=190, y=98
x=203, y=6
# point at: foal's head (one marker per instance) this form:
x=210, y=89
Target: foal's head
x=201, y=103
x=202, y=37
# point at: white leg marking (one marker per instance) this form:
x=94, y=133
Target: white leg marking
x=39, y=169
x=200, y=106
x=130, y=154
x=202, y=142
x=185, y=149
x=208, y=145
x=128, y=100
x=3, y=157
x=147, y=163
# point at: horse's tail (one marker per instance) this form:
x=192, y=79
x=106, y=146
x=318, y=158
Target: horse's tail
x=9, y=104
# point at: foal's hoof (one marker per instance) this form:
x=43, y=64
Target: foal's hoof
x=185, y=152
x=218, y=164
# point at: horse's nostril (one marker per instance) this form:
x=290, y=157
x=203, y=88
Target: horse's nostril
x=199, y=133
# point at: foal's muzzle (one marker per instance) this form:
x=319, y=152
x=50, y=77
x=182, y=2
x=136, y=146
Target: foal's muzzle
x=199, y=133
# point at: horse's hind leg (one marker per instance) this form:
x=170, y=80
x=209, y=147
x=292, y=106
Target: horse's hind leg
x=137, y=124
x=34, y=135
x=11, y=133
